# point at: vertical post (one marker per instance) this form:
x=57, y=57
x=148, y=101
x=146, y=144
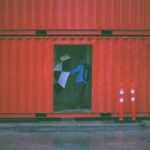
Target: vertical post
x=133, y=110
x=121, y=102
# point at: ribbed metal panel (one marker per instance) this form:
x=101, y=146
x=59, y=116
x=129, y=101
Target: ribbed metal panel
x=121, y=61
x=75, y=14
x=26, y=73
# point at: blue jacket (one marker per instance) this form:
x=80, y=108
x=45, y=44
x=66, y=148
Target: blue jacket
x=79, y=70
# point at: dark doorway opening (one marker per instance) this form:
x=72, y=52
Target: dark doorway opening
x=72, y=97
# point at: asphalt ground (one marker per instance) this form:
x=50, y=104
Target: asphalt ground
x=67, y=126
x=75, y=135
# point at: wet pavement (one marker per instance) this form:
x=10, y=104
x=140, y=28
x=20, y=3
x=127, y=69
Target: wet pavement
x=65, y=136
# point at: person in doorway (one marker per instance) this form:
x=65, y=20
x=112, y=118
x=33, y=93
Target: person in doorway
x=80, y=83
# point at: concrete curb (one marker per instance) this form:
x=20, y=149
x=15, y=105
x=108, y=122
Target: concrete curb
x=71, y=126
x=146, y=123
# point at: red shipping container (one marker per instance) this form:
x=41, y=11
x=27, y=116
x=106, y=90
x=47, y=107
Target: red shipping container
x=75, y=14
x=26, y=73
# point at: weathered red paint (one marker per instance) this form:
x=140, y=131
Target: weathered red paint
x=26, y=73
x=120, y=61
x=17, y=115
x=74, y=14
x=73, y=115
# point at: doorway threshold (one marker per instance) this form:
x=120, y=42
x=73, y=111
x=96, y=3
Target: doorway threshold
x=73, y=114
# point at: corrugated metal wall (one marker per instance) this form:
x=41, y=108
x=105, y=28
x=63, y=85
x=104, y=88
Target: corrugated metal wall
x=74, y=14
x=26, y=63
x=26, y=75
x=26, y=72
x=121, y=61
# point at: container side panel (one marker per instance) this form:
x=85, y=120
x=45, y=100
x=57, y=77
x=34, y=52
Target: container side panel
x=120, y=61
x=26, y=75
x=75, y=14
